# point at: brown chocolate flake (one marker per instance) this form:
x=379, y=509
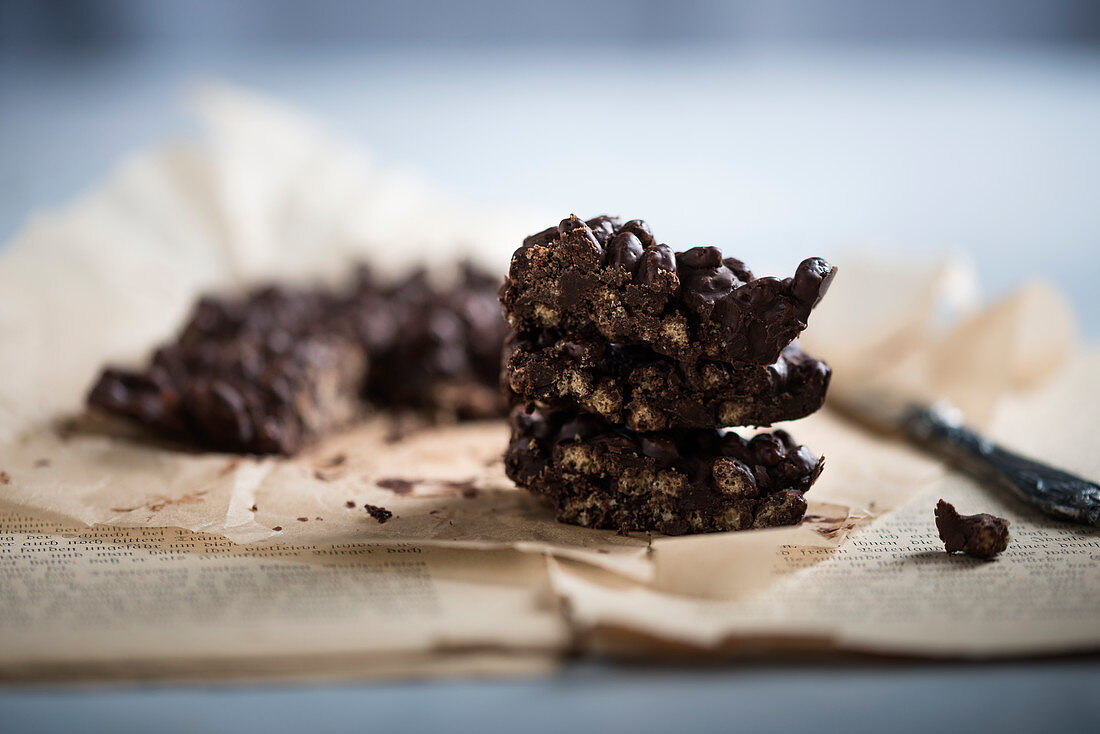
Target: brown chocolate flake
x=159, y=503
x=67, y=428
x=397, y=485
x=278, y=528
x=333, y=461
x=381, y=514
x=331, y=468
x=303, y=519
x=4, y=477
x=349, y=504
x=980, y=536
x=253, y=508
x=229, y=467
x=829, y=532
x=466, y=488
x=433, y=487
x=401, y=425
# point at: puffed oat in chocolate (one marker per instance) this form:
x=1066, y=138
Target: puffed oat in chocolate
x=613, y=278
x=646, y=391
x=685, y=481
x=274, y=370
x=980, y=536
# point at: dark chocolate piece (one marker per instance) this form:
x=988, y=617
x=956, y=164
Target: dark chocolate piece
x=381, y=514
x=980, y=536
x=434, y=349
x=240, y=395
x=273, y=371
x=580, y=278
x=675, y=482
x=648, y=392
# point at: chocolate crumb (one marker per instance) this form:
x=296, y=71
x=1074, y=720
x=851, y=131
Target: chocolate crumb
x=67, y=428
x=253, y=508
x=401, y=426
x=4, y=477
x=229, y=467
x=980, y=536
x=465, y=488
x=349, y=503
x=278, y=528
x=331, y=468
x=41, y=463
x=396, y=485
x=303, y=519
x=381, y=514
x=319, y=519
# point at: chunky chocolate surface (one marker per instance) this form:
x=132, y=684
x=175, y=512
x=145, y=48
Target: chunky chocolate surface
x=645, y=391
x=244, y=396
x=613, y=278
x=434, y=349
x=274, y=370
x=686, y=481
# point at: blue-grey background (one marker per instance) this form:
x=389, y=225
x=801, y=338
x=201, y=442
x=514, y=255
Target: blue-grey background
x=774, y=129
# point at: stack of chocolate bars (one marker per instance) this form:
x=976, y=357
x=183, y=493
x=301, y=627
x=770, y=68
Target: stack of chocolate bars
x=628, y=361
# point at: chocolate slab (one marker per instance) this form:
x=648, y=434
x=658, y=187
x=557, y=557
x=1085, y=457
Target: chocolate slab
x=645, y=391
x=613, y=278
x=674, y=482
x=274, y=370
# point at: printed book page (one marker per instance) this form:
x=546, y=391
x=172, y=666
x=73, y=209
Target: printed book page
x=169, y=601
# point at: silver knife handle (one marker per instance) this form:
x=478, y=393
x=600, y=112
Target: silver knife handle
x=1053, y=491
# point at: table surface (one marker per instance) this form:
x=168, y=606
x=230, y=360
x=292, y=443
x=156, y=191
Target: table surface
x=913, y=154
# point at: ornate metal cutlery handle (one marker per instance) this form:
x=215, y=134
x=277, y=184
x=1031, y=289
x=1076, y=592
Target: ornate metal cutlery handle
x=1053, y=491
